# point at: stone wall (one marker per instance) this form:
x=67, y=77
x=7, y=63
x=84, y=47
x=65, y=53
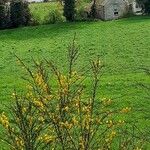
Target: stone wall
x=113, y=9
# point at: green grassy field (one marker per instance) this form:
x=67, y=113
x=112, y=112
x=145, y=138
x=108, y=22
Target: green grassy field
x=122, y=45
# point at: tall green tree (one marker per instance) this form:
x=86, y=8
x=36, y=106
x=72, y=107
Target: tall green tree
x=146, y=5
x=4, y=15
x=19, y=13
x=93, y=12
x=69, y=10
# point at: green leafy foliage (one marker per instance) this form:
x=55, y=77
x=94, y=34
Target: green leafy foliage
x=69, y=10
x=2, y=16
x=146, y=5
x=19, y=13
x=54, y=16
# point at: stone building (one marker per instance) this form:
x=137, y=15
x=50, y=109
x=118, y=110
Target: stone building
x=111, y=9
x=114, y=9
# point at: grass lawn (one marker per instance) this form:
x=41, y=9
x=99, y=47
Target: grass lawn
x=123, y=46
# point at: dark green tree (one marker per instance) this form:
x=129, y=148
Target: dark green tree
x=146, y=5
x=2, y=16
x=69, y=10
x=19, y=13
x=93, y=12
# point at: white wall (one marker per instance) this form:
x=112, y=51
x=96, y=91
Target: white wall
x=121, y=7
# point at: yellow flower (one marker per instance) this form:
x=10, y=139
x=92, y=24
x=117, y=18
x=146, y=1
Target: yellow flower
x=109, y=123
x=113, y=133
x=24, y=109
x=66, y=125
x=98, y=121
x=19, y=142
x=29, y=87
x=41, y=119
x=107, y=101
x=126, y=110
x=47, y=138
x=30, y=120
x=38, y=103
x=13, y=94
x=74, y=121
x=81, y=143
x=38, y=78
x=137, y=148
x=4, y=120
x=29, y=94
x=74, y=73
x=66, y=108
x=110, y=136
x=120, y=121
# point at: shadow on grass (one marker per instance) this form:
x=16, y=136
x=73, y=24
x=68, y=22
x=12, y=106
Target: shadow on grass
x=42, y=31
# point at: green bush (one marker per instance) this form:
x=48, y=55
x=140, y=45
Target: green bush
x=93, y=12
x=35, y=20
x=19, y=13
x=147, y=7
x=69, y=10
x=2, y=16
x=81, y=14
x=54, y=17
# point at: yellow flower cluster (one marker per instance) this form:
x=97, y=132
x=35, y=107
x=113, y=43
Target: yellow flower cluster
x=38, y=104
x=86, y=109
x=106, y=101
x=66, y=108
x=19, y=143
x=24, y=109
x=81, y=143
x=13, y=95
x=66, y=125
x=137, y=148
x=75, y=77
x=41, y=119
x=109, y=123
x=39, y=78
x=98, y=121
x=40, y=81
x=126, y=110
x=47, y=138
x=121, y=122
x=4, y=120
x=64, y=84
x=30, y=120
x=74, y=121
x=97, y=64
x=29, y=94
x=111, y=136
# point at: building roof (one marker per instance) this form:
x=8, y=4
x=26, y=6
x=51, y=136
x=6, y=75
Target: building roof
x=103, y=2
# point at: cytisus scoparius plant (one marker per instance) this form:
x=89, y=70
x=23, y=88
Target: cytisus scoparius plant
x=58, y=112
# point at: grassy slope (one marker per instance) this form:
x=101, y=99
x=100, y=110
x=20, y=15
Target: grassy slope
x=122, y=45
